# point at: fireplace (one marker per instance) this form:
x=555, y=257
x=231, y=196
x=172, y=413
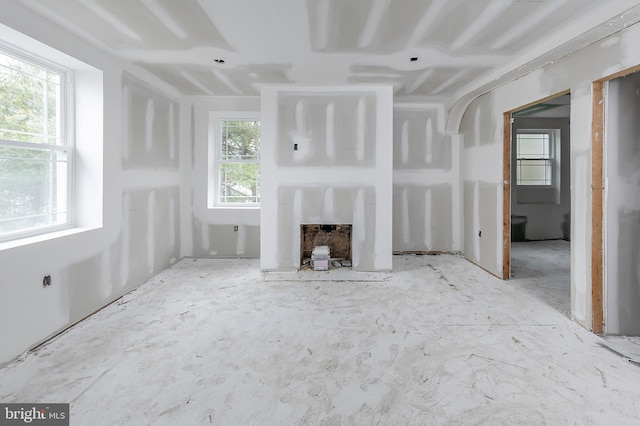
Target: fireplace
x=336, y=236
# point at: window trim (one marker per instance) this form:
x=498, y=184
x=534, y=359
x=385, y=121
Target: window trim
x=65, y=144
x=215, y=156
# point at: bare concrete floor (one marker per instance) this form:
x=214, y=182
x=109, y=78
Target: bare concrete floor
x=440, y=342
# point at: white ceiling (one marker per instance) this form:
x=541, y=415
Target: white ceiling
x=456, y=42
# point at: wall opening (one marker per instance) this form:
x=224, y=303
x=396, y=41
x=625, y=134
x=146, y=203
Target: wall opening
x=537, y=198
x=597, y=199
x=620, y=171
x=336, y=236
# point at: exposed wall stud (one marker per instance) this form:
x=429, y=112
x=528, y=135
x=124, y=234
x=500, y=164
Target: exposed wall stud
x=506, y=197
x=597, y=187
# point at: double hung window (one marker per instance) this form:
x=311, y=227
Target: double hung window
x=35, y=150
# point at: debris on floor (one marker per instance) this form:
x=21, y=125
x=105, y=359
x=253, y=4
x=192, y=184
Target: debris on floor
x=412, y=348
x=627, y=347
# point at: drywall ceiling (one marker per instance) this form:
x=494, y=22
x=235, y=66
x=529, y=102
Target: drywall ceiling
x=453, y=42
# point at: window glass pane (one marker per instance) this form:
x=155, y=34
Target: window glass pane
x=53, y=106
x=533, y=145
x=240, y=140
x=29, y=102
x=534, y=172
x=32, y=188
x=239, y=183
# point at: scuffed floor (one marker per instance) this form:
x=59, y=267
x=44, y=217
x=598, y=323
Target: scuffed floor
x=440, y=342
x=543, y=270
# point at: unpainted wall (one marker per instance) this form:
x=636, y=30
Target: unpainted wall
x=150, y=119
x=622, y=153
x=423, y=217
x=138, y=181
x=329, y=129
x=482, y=131
x=210, y=232
x=425, y=180
x=148, y=239
x=481, y=180
x=339, y=173
x=327, y=205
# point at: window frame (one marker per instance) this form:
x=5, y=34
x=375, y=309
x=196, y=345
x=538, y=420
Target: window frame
x=215, y=156
x=65, y=144
x=553, y=159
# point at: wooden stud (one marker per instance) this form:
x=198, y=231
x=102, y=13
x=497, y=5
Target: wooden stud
x=597, y=187
x=597, y=196
x=506, y=199
x=622, y=73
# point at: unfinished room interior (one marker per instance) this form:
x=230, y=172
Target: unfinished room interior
x=323, y=212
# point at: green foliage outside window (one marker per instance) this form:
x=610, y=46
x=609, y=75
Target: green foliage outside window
x=32, y=163
x=239, y=164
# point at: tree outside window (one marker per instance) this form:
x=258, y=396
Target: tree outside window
x=33, y=152
x=239, y=162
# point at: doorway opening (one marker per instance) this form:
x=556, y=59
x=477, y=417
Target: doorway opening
x=537, y=199
x=619, y=303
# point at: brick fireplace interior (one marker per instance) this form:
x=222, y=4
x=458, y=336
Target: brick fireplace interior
x=337, y=237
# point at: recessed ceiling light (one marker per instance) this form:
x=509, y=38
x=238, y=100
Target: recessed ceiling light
x=413, y=59
x=219, y=61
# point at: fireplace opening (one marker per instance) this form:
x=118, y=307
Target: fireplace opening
x=337, y=237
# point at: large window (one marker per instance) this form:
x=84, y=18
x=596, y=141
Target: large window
x=535, y=157
x=35, y=154
x=238, y=162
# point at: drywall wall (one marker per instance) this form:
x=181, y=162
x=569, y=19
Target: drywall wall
x=211, y=230
x=425, y=180
x=129, y=199
x=548, y=210
x=326, y=158
x=481, y=182
x=622, y=156
x=426, y=170
x=482, y=131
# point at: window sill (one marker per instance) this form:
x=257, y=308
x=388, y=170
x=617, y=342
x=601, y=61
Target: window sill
x=8, y=245
x=237, y=207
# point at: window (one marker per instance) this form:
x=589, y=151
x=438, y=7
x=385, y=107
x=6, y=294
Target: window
x=35, y=154
x=535, y=157
x=238, y=162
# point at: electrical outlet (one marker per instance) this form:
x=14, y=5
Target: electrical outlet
x=295, y=146
x=479, y=233
x=235, y=228
x=46, y=281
